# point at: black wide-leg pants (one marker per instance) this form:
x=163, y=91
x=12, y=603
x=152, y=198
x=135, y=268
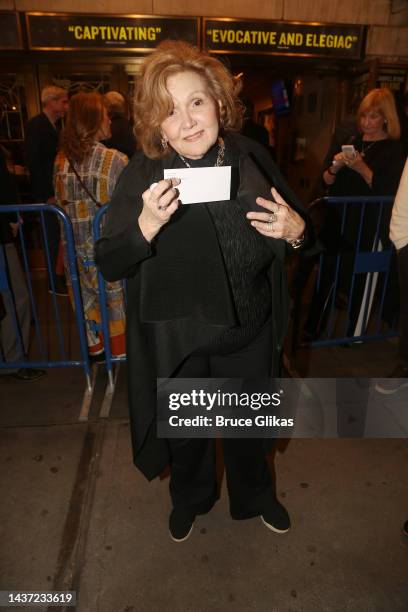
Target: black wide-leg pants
x=193, y=482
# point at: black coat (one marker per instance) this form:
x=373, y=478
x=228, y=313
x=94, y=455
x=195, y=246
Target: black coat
x=41, y=148
x=178, y=291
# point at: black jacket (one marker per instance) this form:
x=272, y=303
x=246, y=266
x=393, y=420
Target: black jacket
x=178, y=291
x=8, y=195
x=41, y=149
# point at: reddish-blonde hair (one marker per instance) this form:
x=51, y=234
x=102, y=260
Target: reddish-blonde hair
x=382, y=101
x=153, y=101
x=84, y=120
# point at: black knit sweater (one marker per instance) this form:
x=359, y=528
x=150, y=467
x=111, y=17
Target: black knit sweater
x=246, y=258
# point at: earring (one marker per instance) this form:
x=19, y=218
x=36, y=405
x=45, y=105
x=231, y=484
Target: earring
x=164, y=143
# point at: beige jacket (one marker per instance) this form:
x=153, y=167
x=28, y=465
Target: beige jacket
x=399, y=217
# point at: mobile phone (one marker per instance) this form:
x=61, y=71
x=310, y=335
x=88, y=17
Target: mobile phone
x=349, y=151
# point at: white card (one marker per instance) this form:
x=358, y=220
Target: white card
x=202, y=184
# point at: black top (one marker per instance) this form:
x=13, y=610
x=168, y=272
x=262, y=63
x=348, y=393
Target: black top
x=345, y=133
x=246, y=255
x=41, y=149
x=386, y=160
x=122, y=138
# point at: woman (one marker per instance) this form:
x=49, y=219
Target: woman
x=374, y=169
x=201, y=278
x=85, y=175
x=376, y=166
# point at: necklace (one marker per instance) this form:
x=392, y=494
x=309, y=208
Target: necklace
x=220, y=157
x=365, y=149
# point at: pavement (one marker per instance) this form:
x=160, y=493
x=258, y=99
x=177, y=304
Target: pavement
x=75, y=515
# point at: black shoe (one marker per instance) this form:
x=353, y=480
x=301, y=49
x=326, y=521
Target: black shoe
x=398, y=379
x=181, y=525
x=405, y=529
x=28, y=374
x=276, y=518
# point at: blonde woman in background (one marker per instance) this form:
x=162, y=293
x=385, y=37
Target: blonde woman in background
x=374, y=169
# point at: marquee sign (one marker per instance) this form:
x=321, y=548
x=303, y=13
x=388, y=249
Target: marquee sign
x=226, y=35
x=140, y=33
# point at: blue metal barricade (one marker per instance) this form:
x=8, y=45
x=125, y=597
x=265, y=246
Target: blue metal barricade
x=353, y=299
x=49, y=347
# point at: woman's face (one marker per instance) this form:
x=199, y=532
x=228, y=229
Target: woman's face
x=192, y=126
x=372, y=123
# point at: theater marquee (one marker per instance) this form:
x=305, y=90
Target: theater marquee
x=141, y=33
x=283, y=38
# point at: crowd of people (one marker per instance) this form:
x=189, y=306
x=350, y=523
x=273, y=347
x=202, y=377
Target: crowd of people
x=206, y=284
x=68, y=166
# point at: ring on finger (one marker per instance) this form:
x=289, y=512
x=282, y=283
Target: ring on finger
x=273, y=217
x=161, y=207
x=269, y=226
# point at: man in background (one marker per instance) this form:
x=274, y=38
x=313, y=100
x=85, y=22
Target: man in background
x=122, y=138
x=42, y=134
x=15, y=314
x=250, y=128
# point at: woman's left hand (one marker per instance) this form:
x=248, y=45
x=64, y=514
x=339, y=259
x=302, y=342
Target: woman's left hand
x=279, y=220
x=358, y=165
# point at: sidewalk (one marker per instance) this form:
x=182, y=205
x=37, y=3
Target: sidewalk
x=76, y=514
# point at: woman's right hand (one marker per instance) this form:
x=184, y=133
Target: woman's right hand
x=329, y=175
x=159, y=204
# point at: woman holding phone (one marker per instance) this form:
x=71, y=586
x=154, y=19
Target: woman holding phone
x=206, y=282
x=371, y=165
